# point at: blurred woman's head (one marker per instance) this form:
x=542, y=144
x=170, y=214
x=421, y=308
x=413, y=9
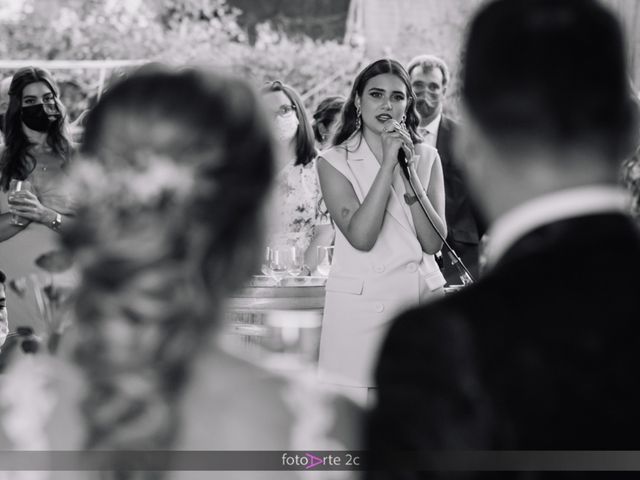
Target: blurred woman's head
x=325, y=119
x=34, y=108
x=380, y=92
x=168, y=224
x=291, y=124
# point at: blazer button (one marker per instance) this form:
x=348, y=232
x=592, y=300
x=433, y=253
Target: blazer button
x=379, y=268
x=412, y=267
x=378, y=307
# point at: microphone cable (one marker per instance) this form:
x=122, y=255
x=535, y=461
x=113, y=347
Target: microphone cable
x=456, y=261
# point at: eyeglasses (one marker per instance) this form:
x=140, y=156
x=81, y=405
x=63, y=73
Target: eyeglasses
x=284, y=111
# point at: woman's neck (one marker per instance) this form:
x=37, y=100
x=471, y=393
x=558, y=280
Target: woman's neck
x=34, y=137
x=374, y=141
x=287, y=155
x=291, y=151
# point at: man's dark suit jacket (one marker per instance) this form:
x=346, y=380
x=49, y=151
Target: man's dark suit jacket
x=542, y=353
x=463, y=223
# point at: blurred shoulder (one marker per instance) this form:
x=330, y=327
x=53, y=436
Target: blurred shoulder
x=264, y=409
x=325, y=418
x=431, y=321
x=40, y=399
x=450, y=123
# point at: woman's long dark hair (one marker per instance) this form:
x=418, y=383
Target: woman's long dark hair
x=325, y=113
x=349, y=119
x=156, y=257
x=16, y=161
x=305, y=147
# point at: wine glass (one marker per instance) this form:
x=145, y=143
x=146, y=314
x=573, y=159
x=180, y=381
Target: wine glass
x=295, y=261
x=265, y=268
x=18, y=186
x=325, y=258
x=276, y=263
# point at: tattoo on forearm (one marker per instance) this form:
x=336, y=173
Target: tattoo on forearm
x=345, y=212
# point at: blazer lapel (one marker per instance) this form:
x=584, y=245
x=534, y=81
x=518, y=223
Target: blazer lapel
x=359, y=162
x=397, y=207
x=365, y=167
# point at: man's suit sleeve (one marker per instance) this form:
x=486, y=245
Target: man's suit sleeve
x=430, y=396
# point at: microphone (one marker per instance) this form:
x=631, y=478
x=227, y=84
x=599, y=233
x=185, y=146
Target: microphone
x=404, y=164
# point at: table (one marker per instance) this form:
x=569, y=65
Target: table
x=265, y=319
x=286, y=320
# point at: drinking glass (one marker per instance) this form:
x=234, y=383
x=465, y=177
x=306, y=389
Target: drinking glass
x=295, y=261
x=266, y=260
x=325, y=258
x=18, y=186
x=275, y=264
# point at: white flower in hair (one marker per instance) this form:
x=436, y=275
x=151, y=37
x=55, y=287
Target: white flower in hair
x=132, y=186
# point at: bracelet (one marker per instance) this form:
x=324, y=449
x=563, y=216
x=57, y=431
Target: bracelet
x=56, y=223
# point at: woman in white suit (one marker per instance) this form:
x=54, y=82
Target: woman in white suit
x=385, y=245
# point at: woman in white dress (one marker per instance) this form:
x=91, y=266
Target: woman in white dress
x=384, y=250
x=38, y=150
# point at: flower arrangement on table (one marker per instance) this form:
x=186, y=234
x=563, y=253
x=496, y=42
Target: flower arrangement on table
x=51, y=295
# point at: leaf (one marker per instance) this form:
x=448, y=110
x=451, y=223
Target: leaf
x=55, y=261
x=18, y=286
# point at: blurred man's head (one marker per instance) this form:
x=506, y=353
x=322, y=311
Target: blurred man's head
x=4, y=323
x=429, y=79
x=547, y=98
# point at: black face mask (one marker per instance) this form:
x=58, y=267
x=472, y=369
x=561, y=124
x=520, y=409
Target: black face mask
x=35, y=117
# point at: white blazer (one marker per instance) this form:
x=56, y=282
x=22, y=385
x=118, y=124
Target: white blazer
x=366, y=290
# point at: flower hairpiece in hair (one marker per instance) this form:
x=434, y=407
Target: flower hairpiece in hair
x=130, y=187
x=129, y=209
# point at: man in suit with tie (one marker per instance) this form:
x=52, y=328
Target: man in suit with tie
x=429, y=79
x=543, y=352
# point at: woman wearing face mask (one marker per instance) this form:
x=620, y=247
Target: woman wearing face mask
x=37, y=151
x=384, y=252
x=299, y=217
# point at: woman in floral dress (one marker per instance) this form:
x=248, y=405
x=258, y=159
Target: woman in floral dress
x=297, y=215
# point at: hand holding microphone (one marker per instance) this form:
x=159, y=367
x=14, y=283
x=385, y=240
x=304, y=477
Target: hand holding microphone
x=397, y=145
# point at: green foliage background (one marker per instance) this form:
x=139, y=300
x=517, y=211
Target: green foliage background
x=202, y=32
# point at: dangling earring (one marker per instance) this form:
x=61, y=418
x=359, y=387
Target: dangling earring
x=358, y=117
x=403, y=122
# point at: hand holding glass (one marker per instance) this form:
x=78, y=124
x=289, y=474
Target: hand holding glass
x=14, y=187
